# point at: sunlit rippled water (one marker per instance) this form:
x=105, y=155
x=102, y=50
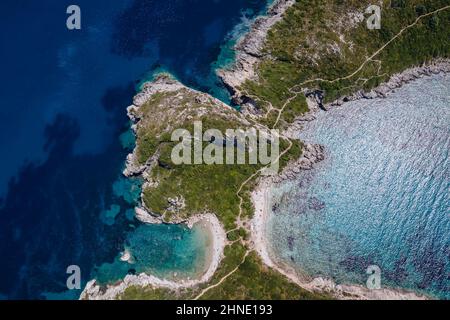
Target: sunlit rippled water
x=381, y=197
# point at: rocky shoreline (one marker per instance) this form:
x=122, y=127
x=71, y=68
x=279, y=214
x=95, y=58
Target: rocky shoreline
x=312, y=155
x=397, y=81
x=94, y=291
x=249, y=50
x=248, y=54
x=163, y=83
x=382, y=91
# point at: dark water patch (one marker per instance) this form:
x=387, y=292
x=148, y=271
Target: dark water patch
x=184, y=36
x=50, y=218
x=62, y=113
x=55, y=206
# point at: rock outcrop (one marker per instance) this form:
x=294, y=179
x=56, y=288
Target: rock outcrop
x=397, y=81
x=312, y=154
x=249, y=51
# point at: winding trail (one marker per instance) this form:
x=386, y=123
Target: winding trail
x=224, y=277
x=280, y=112
x=378, y=51
x=371, y=58
x=238, y=219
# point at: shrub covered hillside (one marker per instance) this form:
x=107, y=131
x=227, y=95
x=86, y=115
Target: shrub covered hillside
x=318, y=45
x=326, y=45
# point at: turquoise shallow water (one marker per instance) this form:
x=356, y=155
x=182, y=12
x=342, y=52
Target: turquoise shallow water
x=66, y=136
x=166, y=251
x=381, y=197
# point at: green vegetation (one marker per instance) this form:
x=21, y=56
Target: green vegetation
x=213, y=188
x=320, y=39
x=252, y=281
x=256, y=282
x=203, y=187
x=319, y=45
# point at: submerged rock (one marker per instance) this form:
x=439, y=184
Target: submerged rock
x=315, y=204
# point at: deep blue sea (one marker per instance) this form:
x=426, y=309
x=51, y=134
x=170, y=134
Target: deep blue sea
x=64, y=134
x=381, y=197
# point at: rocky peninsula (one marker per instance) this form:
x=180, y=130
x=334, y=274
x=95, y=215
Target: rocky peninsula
x=271, y=77
x=189, y=195
x=249, y=50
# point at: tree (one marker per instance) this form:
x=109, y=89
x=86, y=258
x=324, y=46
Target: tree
x=433, y=23
x=421, y=10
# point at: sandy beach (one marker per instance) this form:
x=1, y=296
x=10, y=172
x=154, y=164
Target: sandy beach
x=93, y=291
x=261, y=196
x=261, y=199
x=248, y=51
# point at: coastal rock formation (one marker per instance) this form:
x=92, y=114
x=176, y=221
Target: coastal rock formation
x=132, y=168
x=311, y=155
x=382, y=91
x=95, y=291
x=164, y=105
x=249, y=50
x=142, y=215
x=397, y=81
x=163, y=83
x=183, y=103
